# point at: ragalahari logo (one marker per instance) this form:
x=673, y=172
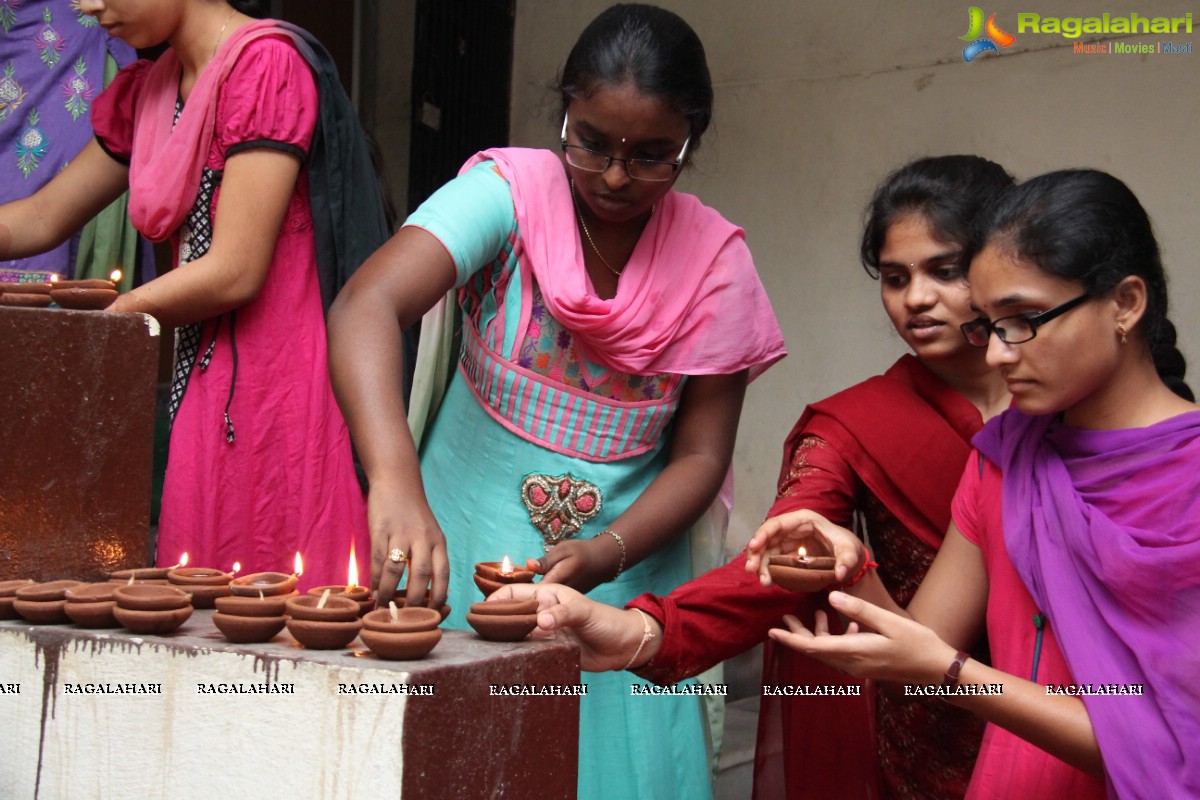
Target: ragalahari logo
x=981, y=44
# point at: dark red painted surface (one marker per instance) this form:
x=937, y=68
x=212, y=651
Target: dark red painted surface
x=77, y=393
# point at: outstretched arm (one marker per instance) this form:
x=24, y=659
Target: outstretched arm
x=393, y=288
x=46, y=218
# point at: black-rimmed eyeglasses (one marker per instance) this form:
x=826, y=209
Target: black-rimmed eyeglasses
x=640, y=169
x=1017, y=329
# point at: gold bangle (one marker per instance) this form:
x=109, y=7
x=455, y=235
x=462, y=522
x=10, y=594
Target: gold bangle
x=647, y=635
x=620, y=544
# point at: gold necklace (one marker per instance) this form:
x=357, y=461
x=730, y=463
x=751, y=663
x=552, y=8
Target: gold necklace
x=588, y=234
x=220, y=33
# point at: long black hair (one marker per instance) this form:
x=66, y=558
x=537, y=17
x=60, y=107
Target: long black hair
x=1087, y=226
x=949, y=192
x=653, y=49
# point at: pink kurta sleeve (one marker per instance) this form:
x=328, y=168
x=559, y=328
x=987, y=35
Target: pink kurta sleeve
x=112, y=113
x=268, y=101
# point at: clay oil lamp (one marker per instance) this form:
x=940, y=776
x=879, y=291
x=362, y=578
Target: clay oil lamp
x=244, y=620
x=268, y=583
x=91, y=605
x=810, y=570
x=401, y=634
x=151, y=575
x=205, y=585
x=29, y=295
x=43, y=603
x=359, y=594
x=491, y=575
x=8, y=596
x=85, y=295
x=323, y=623
x=149, y=609
x=401, y=595
x=504, y=620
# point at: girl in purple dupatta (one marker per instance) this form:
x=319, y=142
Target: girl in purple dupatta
x=1093, y=481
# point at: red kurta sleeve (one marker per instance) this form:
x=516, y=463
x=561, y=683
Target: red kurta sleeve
x=725, y=611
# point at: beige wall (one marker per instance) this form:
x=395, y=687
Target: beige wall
x=817, y=101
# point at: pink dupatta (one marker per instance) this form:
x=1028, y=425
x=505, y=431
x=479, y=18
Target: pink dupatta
x=679, y=307
x=166, y=164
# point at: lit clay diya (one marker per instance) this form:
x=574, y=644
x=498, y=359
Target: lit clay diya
x=91, y=605
x=403, y=634
x=810, y=570
x=244, y=620
x=491, y=575
x=323, y=623
x=151, y=609
x=44, y=603
x=266, y=583
x=504, y=620
x=359, y=594
x=204, y=584
x=8, y=596
x=400, y=597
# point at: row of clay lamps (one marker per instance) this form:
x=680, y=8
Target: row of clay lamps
x=141, y=608
x=502, y=620
x=91, y=294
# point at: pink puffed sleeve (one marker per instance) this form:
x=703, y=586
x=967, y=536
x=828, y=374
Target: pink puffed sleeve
x=269, y=100
x=113, y=110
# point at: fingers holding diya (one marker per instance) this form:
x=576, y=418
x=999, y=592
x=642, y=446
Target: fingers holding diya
x=811, y=569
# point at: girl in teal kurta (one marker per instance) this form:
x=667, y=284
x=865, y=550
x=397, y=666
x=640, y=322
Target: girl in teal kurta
x=610, y=325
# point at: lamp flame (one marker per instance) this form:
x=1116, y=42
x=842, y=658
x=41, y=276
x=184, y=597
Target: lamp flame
x=115, y=276
x=183, y=559
x=299, y=564
x=802, y=554
x=506, y=567
x=352, y=571
x=237, y=567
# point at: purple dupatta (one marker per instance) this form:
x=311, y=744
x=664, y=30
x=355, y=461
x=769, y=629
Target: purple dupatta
x=1104, y=529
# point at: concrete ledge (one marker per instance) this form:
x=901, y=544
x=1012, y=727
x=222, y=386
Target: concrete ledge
x=107, y=714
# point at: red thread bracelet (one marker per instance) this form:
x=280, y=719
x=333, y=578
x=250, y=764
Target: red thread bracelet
x=869, y=563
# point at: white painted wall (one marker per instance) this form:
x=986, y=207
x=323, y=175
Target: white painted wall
x=817, y=101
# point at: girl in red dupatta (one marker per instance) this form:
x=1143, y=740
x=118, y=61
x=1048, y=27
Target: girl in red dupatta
x=1081, y=513
x=217, y=142
x=889, y=451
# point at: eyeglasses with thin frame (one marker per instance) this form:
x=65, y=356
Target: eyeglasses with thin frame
x=1017, y=329
x=640, y=169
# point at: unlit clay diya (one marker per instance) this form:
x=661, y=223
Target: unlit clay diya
x=44, y=603
x=30, y=295
x=359, y=594
x=84, y=295
x=400, y=597
x=8, y=596
x=151, y=609
x=323, y=623
x=491, y=575
x=810, y=570
x=205, y=585
x=91, y=605
x=244, y=620
x=504, y=620
x=265, y=583
x=401, y=633
x=141, y=575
